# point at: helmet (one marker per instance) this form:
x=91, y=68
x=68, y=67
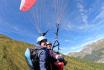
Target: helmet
x=39, y=39
x=49, y=43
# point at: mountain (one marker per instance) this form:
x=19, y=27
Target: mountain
x=93, y=52
x=12, y=57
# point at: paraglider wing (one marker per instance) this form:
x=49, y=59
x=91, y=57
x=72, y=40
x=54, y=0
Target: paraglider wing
x=26, y=4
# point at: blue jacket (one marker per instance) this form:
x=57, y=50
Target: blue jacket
x=43, y=54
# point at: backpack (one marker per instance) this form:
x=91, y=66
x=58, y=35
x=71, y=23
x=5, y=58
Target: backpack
x=34, y=58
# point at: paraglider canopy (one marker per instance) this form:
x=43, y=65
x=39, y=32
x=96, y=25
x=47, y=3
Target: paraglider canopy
x=26, y=5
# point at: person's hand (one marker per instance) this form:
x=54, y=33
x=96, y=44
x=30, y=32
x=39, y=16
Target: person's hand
x=59, y=57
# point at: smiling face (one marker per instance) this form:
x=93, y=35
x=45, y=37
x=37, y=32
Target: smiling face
x=43, y=43
x=49, y=46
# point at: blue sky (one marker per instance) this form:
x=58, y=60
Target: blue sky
x=81, y=21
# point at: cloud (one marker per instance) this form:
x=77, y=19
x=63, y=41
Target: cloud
x=87, y=23
x=71, y=49
x=79, y=47
x=83, y=12
x=91, y=40
x=100, y=16
x=72, y=27
x=9, y=27
x=83, y=25
x=67, y=40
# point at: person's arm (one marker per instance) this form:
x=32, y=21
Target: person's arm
x=27, y=56
x=53, y=54
x=42, y=59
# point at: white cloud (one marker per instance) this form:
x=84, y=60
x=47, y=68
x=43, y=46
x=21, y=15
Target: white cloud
x=85, y=14
x=82, y=11
x=79, y=47
x=100, y=16
x=67, y=40
x=9, y=27
x=84, y=19
x=91, y=40
x=73, y=27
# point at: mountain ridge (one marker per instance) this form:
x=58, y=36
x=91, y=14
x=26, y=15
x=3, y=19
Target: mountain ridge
x=92, y=52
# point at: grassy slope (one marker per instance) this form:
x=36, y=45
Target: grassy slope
x=12, y=57
x=12, y=54
x=76, y=64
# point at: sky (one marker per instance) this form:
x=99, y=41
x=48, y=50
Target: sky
x=81, y=21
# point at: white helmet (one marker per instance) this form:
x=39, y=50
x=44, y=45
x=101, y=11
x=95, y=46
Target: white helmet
x=39, y=39
x=49, y=43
